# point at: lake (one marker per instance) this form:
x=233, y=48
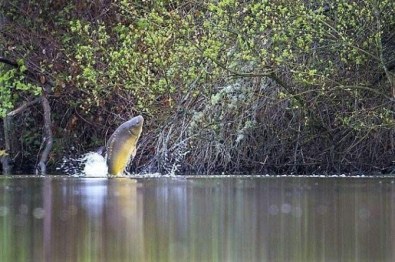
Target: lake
x=58, y=218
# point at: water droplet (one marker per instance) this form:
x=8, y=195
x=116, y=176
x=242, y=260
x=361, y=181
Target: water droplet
x=39, y=212
x=286, y=208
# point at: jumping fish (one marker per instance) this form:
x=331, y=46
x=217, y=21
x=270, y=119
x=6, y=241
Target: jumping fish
x=121, y=147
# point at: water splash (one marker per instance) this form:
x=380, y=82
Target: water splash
x=95, y=165
x=91, y=164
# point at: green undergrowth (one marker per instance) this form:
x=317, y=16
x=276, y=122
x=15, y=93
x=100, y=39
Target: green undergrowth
x=224, y=85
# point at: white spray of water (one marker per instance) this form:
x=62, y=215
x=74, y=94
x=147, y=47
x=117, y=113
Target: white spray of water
x=91, y=164
x=95, y=165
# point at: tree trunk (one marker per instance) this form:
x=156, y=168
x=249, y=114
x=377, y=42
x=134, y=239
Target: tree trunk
x=5, y=159
x=48, y=139
x=9, y=140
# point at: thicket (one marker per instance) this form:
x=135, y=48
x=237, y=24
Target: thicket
x=226, y=85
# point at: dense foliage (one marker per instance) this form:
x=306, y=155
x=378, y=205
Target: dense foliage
x=224, y=85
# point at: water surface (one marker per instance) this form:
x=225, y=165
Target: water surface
x=197, y=219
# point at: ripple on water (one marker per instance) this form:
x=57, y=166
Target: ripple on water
x=38, y=213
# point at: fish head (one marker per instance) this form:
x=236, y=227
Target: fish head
x=135, y=125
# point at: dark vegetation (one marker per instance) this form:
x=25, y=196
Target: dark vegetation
x=226, y=85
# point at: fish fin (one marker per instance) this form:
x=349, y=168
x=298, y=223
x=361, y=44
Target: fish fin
x=134, y=153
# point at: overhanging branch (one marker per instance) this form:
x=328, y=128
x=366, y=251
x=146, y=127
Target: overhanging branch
x=8, y=62
x=24, y=106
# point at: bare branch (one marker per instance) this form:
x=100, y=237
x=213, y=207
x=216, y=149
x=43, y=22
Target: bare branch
x=8, y=62
x=24, y=106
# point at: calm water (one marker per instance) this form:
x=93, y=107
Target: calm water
x=197, y=219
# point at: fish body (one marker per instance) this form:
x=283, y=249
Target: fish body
x=121, y=147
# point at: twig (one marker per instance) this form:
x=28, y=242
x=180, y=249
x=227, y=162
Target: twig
x=24, y=106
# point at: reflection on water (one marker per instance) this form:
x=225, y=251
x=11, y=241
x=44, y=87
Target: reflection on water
x=178, y=219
